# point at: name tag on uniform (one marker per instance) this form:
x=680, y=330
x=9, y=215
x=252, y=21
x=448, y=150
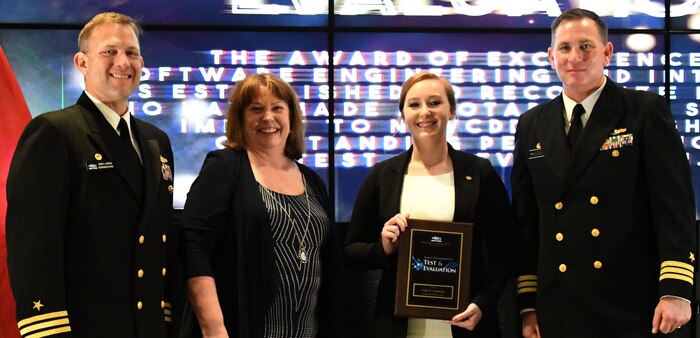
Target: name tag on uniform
x=535, y=152
x=99, y=166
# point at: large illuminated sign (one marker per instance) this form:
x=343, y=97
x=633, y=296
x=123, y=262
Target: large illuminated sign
x=550, y=8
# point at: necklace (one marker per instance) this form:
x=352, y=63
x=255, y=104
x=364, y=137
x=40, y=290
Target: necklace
x=301, y=254
x=434, y=165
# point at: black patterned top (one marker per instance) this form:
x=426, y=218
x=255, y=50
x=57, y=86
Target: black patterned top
x=297, y=248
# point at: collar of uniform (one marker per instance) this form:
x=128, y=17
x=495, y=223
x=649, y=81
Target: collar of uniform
x=110, y=115
x=587, y=104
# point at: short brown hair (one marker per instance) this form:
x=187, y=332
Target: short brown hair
x=428, y=76
x=105, y=18
x=242, y=96
x=580, y=14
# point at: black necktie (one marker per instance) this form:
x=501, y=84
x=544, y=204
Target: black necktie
x=134, y=168
x=576, y=126
x=126, y=138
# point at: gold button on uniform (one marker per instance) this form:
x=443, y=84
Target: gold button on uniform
x=164, y=271
x=139, y=305
x=560, y=237
x=141, y=239
x=162, y=304
x=615, y=153
x=559, y=206
x=164, y=238
x=562, y=267
x=597, y=264
x=140, y=273
x=595, y=232
x=594, y=200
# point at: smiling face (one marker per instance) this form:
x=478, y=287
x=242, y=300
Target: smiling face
x=111, y=64
x=426, y=110
x=266, y=123
x=578, y=54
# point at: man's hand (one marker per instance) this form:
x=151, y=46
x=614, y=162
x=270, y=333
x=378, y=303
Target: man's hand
x=670, y=314
x=530, y=327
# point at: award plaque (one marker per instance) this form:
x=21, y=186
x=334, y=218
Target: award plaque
x=432, y=278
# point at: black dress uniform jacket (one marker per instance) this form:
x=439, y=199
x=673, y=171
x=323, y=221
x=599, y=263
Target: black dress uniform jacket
x=480, y=197
x=608, y=228
x=86, y=252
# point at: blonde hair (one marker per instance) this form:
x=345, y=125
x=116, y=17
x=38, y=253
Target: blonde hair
x=105, y=18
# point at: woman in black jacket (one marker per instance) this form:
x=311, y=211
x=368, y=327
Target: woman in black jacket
x=256, y=241
x=435, y=182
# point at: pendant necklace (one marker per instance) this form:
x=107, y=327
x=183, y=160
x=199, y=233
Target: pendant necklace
x=301, y=254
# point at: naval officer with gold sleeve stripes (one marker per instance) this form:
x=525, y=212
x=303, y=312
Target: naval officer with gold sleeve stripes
x=603, y=198
x=89, y=204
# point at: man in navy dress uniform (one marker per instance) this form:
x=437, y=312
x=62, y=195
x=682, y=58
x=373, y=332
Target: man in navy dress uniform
x=603, y=198
x=89, y=204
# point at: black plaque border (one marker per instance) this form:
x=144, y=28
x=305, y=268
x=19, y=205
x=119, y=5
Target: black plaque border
x=402, y=308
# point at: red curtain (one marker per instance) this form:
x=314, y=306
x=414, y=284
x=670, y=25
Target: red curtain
x=14, y=115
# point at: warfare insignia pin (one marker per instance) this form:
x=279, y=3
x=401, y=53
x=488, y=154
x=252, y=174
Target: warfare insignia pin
x=618, y=131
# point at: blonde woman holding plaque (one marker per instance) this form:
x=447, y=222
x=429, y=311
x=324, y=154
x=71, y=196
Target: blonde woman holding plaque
x=432, y=181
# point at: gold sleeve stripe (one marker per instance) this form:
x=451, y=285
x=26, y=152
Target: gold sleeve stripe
x=677, y=271
x=49, y=332
x=527, y=278
x=526, y=290
x=167, y=319
x=167, y=312
x=678, y=264
x=675, y=276
x=43, y=325
x=44, y=316
x=524, y=284
x=166, y=304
